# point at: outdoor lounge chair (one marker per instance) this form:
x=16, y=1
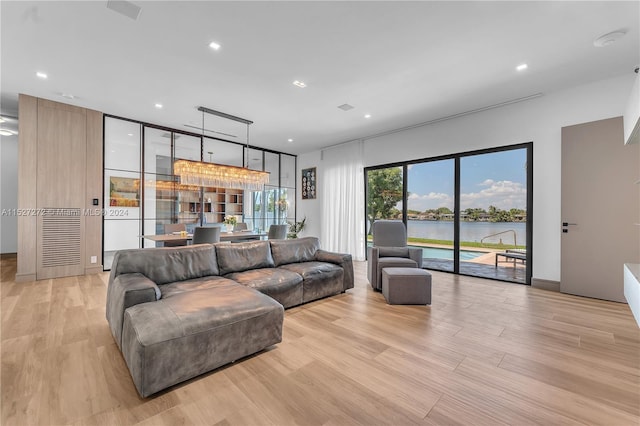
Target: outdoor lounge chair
x=513, y=254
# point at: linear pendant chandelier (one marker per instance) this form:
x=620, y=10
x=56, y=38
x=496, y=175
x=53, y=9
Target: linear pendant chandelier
x=220, y=175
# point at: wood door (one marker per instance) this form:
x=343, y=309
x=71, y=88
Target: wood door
x=599, y=209
x=61, y=176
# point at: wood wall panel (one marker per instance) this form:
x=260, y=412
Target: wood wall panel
x=62, y=139
x=60, y=166
x=62, y=151
x=27, y=154
x=93, y=223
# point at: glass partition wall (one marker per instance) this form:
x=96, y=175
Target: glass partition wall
x=469, y=212
x=277, y=203
x=121, y=199
x=142, y=194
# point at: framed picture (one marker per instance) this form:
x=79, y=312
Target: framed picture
x=124, y=192
x=309, y=184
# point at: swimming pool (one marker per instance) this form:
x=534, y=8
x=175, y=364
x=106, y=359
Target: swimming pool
x=445, y=253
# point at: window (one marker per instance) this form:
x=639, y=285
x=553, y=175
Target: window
x=470, y=212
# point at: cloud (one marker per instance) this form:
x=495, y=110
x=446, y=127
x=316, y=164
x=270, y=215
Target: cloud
x=503, y=194
x=432, y=200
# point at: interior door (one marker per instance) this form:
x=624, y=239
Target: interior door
x=62, y=144
x=599, y=209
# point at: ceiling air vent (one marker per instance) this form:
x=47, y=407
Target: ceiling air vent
x=125, y=8
x=345, y=107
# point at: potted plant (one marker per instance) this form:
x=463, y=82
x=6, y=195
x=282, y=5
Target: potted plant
x=295, y=228
x=230, y=222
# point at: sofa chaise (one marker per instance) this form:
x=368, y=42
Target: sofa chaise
x=176, y=313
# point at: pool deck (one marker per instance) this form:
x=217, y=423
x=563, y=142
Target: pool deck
x=481, y=266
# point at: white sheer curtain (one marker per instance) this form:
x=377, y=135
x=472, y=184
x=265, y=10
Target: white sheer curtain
x=342, y=186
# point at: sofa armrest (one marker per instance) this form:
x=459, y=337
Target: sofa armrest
x=342, y=260
x=373, y=253
x=415, y=253
x=124, y=291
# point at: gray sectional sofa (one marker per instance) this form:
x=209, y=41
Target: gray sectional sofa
x=176, y=313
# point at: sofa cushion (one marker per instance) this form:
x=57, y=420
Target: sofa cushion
x=167, y=264
x=295, y=250
x=172, y=289
x=243, y=256
x=280, y=284
x=180, y=337
x=320, y=279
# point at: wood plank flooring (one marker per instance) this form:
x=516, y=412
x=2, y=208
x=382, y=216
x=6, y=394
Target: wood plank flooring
x=485, y=352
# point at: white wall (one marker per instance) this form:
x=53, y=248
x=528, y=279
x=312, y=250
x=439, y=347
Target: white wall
x=311, y=209
x=9, y=193
x=539, y=120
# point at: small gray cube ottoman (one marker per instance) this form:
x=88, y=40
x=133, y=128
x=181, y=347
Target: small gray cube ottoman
x=406, y=286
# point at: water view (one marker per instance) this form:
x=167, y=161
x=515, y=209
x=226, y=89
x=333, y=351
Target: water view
x=469, y=231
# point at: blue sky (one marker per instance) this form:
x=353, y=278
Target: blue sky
x=497, y=179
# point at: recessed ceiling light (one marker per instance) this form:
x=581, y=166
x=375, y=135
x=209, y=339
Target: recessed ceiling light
x=522, y=67
x=345, y=107
x=4, y=132
x=129, y=134
x=67, y=95
x=159, y=106
x=367, y=116
x=609, y=38
x=289, y=140
x=214, y=45
x=299, y=83
x=42, y=75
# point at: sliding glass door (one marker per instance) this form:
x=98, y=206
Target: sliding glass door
x=384, y=198
x=430, y=211
x=468, y=212
x=493, y=220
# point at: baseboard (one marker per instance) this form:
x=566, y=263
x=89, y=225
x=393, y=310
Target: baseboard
x=545, y=284
x=21, y=278
x=93, y=270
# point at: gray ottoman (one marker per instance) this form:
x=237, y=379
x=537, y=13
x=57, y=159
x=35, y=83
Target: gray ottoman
x=406, y=286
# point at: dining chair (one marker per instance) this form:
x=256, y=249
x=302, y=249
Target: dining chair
x=170, y=228
x=278, y=232
x=206, y=234
x=240, y=226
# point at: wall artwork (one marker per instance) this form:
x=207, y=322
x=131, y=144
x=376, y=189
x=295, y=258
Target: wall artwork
x=124, y=192
x=309, y=184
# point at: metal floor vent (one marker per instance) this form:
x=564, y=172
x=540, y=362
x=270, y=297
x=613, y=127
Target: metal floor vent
x=61, y=237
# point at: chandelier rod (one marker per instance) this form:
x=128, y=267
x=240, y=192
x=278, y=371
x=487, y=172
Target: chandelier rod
x=224, y=115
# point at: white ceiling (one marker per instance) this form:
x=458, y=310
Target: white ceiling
x=402, y=62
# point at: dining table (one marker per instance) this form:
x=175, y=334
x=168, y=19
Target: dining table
x=234, y=237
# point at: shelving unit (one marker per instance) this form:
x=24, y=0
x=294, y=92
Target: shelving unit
x=632, y=288
x=217, y=203
x=632, y=136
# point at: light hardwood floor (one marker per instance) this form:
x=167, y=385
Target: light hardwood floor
x=484, y=353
